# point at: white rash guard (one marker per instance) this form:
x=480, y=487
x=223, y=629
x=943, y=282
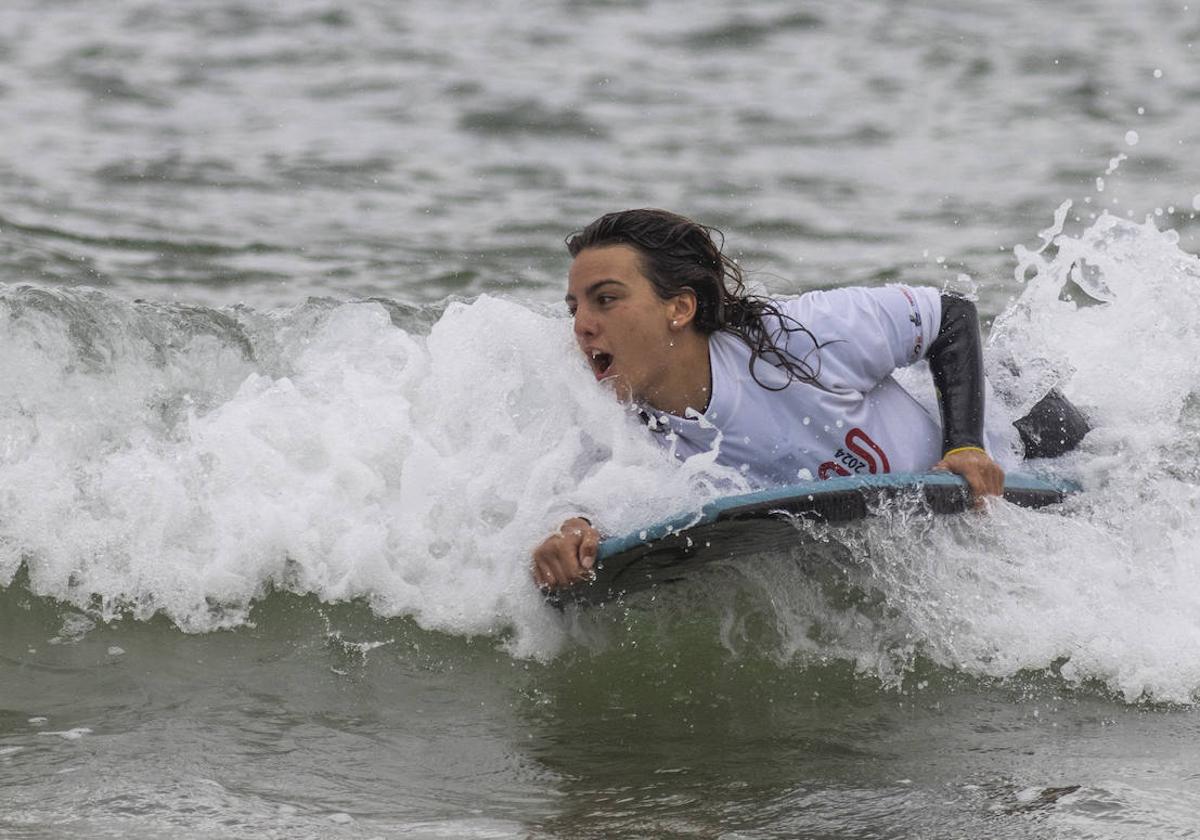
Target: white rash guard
x=856, y=420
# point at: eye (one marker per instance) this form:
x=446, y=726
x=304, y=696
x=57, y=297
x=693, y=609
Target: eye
x=605, y=299
x=571, y=310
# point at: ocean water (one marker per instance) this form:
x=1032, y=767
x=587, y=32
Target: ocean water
x=288, y=393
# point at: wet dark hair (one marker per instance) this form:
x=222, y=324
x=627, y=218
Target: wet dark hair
x=677, y=254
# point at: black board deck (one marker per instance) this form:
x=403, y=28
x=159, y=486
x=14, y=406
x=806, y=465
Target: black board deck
x=762, y=521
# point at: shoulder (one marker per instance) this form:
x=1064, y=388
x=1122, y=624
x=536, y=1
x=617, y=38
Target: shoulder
x=850, y=302
x=853, y=311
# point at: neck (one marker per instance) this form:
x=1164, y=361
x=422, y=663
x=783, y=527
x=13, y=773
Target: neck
x=688, y=383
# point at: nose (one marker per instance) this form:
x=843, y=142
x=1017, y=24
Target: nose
x=585, y=324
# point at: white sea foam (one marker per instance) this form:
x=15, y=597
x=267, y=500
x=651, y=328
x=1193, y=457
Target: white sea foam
x=1105, y=588
x=70, y=734
x=186, y=461
x=1109, y=589
x=152, y=463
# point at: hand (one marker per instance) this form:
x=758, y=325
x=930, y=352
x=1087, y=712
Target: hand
x=984, y=476
x=568, y=556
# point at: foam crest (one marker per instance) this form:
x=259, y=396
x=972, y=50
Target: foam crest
x=151, y=467
x=1101, y=589
x=1107, y=589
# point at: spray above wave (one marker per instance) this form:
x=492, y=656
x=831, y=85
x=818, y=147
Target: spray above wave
x=1103, y=590
x=185, y=461
x=1117, y=307
x=1108, y=590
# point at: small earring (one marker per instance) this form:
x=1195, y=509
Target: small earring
x=674, y=322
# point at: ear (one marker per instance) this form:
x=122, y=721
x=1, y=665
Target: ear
x=681, y=309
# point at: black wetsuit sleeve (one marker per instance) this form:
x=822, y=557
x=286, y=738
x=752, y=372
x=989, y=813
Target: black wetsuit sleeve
x=956, y=359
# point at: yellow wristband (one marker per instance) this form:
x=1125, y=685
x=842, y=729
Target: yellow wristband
x=965, y=449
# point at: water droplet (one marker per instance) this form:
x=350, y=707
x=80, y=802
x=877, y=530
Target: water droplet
x=1157, y=73
x=1131, y=137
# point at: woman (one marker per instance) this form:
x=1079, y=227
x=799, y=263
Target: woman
x=785, y=390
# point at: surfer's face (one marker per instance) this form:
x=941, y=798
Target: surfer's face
x=626, y=331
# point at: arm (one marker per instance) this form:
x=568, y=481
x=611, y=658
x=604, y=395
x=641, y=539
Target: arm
x=956, y=361
x=568, y=556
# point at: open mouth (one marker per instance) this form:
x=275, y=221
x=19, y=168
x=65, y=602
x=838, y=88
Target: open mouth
x=600, y=362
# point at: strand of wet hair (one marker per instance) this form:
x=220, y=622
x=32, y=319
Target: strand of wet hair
x=747, y=320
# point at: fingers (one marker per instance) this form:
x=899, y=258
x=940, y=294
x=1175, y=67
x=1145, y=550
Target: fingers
x=979, y=487
x=995, y=480
x=543, y=573
x=984, y=476
x=588, y=548
x=550, y=569
x=566, y=557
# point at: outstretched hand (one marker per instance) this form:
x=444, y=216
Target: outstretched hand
x=568, y=556
x=984, y=476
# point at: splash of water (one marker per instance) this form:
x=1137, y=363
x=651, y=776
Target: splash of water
x=187, y=461
x=1107, y=588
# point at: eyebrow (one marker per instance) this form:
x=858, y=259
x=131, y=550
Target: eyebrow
x=591, y=290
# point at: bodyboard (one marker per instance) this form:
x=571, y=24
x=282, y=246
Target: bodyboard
x=762, y=521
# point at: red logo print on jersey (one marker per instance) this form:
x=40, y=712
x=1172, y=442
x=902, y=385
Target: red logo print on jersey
x=859, y=455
